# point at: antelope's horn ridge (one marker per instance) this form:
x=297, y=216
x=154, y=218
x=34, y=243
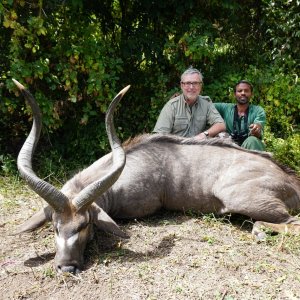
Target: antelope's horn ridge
x=55, y=198
x=89, y=194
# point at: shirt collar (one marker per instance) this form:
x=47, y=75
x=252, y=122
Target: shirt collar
x=195, y=103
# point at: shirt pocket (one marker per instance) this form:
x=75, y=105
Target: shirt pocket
x=200, y=118
x=180, y=124
x=200, y=123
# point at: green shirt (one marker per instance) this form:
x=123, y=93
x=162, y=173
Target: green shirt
x=178, y=118
x=256, y=114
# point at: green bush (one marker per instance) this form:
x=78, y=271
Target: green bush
x=286, y=151
x=74, y=56
x=278, y=92
x=8, y=165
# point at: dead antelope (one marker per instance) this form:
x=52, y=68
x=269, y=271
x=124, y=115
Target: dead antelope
x=154, y=172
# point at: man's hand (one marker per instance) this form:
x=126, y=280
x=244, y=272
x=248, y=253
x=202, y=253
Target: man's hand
x=255, y=130
x=200, y=136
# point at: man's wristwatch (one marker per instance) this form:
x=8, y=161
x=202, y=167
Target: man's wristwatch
x=206, y=133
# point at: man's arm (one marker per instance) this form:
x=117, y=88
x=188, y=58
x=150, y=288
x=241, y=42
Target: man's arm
x=260, y=116
x=215, y=120
x=212, y=131
x=221, y=108
x=257, y=127
x=165, y=121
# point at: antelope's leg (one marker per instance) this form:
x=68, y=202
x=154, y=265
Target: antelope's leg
x=293, y=227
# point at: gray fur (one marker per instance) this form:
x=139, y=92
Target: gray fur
x=164, y=171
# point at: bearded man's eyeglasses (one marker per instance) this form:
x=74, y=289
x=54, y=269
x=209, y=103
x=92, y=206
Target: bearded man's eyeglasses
x=191, y=83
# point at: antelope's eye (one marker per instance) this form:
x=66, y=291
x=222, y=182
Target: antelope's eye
x=83, y=226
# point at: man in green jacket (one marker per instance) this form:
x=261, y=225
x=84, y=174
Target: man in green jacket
x=189, y=114
x=244, y=121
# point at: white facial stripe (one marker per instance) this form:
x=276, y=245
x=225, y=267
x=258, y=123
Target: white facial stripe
x=70, y=241
x=62, y=243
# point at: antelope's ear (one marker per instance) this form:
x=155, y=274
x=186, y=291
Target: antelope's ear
x=36, y=221
x=104, y=222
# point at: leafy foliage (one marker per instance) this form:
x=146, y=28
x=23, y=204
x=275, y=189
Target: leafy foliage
x=75, y=55
x=286, y=151
x=281, y=21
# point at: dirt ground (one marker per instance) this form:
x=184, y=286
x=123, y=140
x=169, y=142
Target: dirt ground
x=169, y=256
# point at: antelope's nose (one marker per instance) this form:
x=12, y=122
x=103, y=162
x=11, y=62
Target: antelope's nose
x=68, y=269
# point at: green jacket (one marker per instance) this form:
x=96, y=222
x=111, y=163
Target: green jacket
x=256, y=114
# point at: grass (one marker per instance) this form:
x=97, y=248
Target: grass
x=175, y=255
x=49, y=272
x=10, y=187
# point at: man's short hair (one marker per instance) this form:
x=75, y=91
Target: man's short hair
x=192, y=70
x=246, y=82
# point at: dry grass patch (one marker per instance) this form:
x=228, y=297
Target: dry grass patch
x=168, y=256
